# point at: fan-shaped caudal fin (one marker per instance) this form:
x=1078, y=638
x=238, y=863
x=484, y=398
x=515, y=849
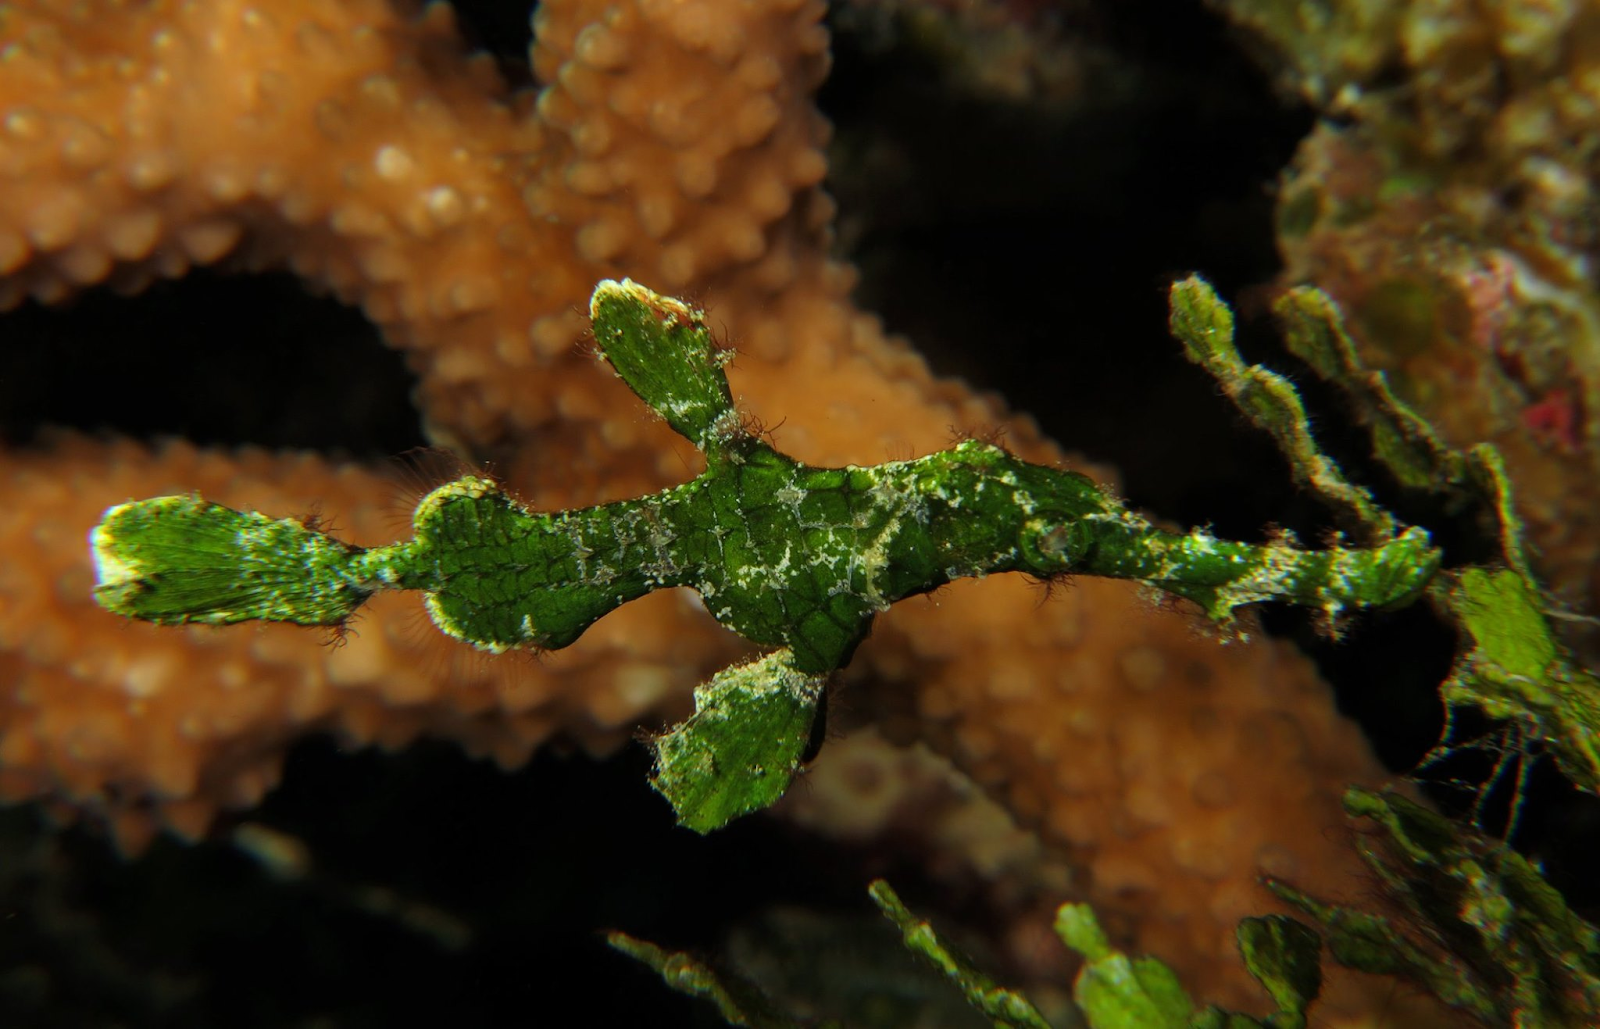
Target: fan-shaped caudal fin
x=184, y=559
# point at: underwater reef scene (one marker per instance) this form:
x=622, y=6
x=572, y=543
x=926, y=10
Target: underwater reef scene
x=1175, y=306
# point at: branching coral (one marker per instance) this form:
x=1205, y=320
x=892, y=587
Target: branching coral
x=674, y=142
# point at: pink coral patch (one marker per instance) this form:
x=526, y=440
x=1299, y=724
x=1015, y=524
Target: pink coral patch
x=1554, y=418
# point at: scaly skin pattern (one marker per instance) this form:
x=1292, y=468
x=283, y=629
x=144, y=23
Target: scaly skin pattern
x=788, y=555
x=784, y=554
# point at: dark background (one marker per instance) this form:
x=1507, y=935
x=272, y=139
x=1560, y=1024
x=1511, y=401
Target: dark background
x=955, y=205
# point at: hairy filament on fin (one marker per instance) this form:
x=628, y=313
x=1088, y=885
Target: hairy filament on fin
x=788, y=555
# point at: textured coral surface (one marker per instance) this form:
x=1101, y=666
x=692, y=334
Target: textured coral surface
x=1449, y=205
x=674, y=142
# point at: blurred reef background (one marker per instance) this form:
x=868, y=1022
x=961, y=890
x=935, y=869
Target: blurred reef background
x=1018, y=182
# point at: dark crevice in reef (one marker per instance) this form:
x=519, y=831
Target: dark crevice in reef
x=216, y=359
x=1027, y=248
x=502, y=29
x=440, y=890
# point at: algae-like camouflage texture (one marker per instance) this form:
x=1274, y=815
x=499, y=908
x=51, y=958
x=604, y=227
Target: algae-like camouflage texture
x=785, y=554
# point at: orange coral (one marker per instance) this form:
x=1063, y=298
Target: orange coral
x=148, y=725
x=676, y=143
